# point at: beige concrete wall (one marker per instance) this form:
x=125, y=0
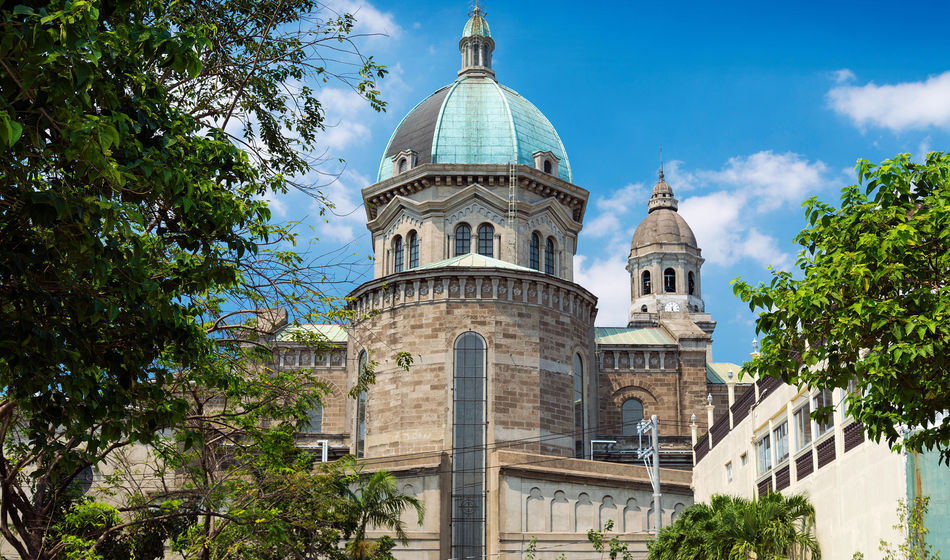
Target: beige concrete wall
x=855, y=495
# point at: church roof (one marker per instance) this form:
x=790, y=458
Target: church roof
x=663, y=226
x=475, y=120
x=474, y=260
x=625, y=336
x=332, y=333
x=718, y=372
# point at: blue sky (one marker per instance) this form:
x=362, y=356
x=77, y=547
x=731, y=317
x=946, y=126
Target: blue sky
x=757, y=106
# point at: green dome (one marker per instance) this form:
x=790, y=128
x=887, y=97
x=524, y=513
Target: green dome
x=475, y=120
x=476, y=27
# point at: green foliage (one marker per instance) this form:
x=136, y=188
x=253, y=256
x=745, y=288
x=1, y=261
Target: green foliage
x=612, y=547
x=871, y=303
x=910, y=522
x=729, y=528
x=139, y=141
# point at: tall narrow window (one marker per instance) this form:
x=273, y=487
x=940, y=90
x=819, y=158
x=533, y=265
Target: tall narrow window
x=314, y=420
x=763, y=450
x=647, y=287
x=669, y=280
x=578, y=407
x=780, y=435
x=413, y=240
x=468, y=464
x=463, y=240
x=486, y=240
x=631, y=414
x=824, y=399
x=547, y=166
x=802, y=428
x=549, y=256
x=397, y=254
x=692, y=283
x=403, y=165
x=534, y=256
x=361, y=410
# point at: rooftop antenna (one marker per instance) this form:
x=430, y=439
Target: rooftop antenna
x=661, y=163
x=477, y=10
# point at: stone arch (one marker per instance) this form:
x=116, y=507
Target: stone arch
x=608, y=512
x=535, y=519
x=560, y=513
x=632, y=517
x=583, y=513
x=677, y=509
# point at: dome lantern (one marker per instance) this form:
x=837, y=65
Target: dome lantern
x=662, y=195
x=476, y=45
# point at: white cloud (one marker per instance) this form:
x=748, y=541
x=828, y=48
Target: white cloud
x=844, y=75
x=609, y=280
x=369, y=19
x=897, y=107
x=347, y=220
x=770, y=180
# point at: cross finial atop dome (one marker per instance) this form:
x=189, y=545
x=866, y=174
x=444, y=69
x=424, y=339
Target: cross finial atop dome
x=662, y=193
x=476, y=44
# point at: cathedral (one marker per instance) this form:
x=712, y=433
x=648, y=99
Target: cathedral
x=518, y=418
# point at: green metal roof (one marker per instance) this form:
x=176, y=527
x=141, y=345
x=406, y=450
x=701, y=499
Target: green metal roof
x=473, y=260
x=631, y=337
x=718, y=372
x=476, y=27
x=480, y=122
x=332, y=333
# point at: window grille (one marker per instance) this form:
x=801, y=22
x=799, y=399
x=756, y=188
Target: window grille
x=486, y=240
x=468, y=461
x=463, y=240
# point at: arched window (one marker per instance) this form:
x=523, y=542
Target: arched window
x=468, y=464
x=646, y=282
x=669, y=280
x=578, y=407
x=547, y=166
x=397, y=254
x=403, y=164
x=463, y=240
x=361, y=410
x=692, y=283
x=534, y=255
x=413, y=240
x=549, y=256
x=314, y=420
x=486, y=240
x=631, y=414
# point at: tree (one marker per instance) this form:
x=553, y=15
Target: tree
x=131, y=223
x=869, y=309
x=376, y=501
x=774, y=527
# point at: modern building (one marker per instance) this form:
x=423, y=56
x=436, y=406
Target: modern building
x=475, y=221
x=768, y=442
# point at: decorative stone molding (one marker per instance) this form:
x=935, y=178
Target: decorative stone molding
x=467, y=284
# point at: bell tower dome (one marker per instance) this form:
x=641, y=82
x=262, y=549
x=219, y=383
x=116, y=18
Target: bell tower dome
x=664, y=264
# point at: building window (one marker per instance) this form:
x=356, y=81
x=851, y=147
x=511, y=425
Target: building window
x=578, y=407
x=413, y=240
x=397, y=254
x=549, y=256
x=824, y=399
x=669, y=280
x=646, y=282
x=763, y=450
x=802, y=428
x=314, y=420
x=729, y=471
x=486, y=240
x=744, y=458
x=534, y=256
x=463, y=240
x=403, y=165
x=547, y=166
x=692, y=283
x=631, y=414
x=780, y=436
x=468, y=464
x=361, y=410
